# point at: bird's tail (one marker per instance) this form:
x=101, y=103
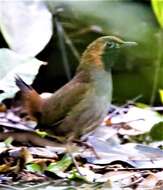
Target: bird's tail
x=21, y=84
x=30, y=100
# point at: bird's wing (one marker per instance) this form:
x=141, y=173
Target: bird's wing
x=62, y=101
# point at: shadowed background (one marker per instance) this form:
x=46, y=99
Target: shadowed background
x=136, y=70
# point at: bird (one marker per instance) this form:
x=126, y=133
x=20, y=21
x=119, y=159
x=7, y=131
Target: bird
x=79, y=106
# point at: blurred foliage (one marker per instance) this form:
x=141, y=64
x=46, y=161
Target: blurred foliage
x=158, y=10
x=134, y=73
x=137, y=71
x=156, y=132
x=161, y=95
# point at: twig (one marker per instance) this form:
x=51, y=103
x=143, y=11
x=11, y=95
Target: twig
x=117, y=110
x=60, y=32
x=71, y=45
x=158, y=108
x=9, y=187
x=126, y=122
x=36, y=186
x=140, y=179
x=132, y=169
x=158, y=65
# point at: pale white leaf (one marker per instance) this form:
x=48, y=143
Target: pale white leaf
x=12, y=64
x=25, y=25
x=140, y=120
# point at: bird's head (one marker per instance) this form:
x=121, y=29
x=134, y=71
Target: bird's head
x=103, y=52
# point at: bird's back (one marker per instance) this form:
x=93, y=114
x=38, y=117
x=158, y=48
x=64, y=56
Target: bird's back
x=83, y=107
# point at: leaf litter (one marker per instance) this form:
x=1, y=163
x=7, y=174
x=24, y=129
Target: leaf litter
x=129, y=156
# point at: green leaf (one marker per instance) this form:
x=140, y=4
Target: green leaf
x=34, y=168
x=158, y=10
x=61, y=165
x=161, y=95
x=41, y=133
x=141, y=105
x=156, y=132
x=8, y=141
x=74, y=175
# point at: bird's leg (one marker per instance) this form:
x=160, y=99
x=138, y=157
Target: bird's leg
x=89, y=146
x=75, y=163
x=69, y=149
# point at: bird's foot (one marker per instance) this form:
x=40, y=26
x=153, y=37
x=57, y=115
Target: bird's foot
x=88, y=146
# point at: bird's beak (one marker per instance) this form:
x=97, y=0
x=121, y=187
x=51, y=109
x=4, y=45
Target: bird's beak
x=129, y=44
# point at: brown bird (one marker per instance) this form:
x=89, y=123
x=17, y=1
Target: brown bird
x=82, y=104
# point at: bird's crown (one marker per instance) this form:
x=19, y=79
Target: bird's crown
x=107, y=45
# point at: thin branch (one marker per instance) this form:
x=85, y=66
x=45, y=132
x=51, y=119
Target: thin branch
x=72, y=47
x=157, y=68
x=118, y=109
x=9, y=187
x=132, y=169
x=60, y=32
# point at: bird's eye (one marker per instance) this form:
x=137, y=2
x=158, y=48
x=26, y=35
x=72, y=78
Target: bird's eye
x=111, y=44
